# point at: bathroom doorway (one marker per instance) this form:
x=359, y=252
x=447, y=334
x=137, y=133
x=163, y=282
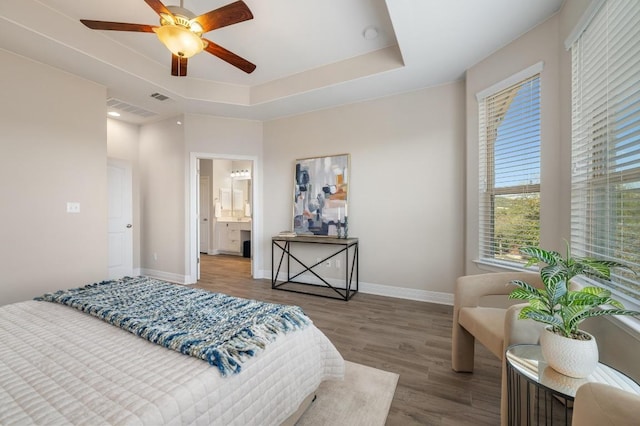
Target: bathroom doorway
x=223, y=226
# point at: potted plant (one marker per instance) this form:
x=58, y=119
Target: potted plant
x=566, y=348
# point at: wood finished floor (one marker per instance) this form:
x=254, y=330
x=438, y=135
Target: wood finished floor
x=407, y=337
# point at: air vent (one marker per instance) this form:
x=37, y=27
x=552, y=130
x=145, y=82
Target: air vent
x=123, y=106
x=159, y=96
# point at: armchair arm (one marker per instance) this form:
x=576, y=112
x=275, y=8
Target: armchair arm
x=470, y=288
x=520, y=331
x=600, y=404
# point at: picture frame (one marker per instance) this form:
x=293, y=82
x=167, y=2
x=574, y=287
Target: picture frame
x=321, y=195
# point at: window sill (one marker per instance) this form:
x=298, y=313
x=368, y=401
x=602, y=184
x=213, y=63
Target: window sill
x=498, y=266
x=627, y=323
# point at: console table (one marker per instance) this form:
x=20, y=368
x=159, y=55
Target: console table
x=538, y=394
x=340, y=246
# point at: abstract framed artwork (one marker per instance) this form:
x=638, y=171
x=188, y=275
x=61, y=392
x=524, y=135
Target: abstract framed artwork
x=321, y=195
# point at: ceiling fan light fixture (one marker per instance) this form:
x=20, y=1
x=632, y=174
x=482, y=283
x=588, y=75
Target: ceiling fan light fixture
x=180, y=40
x=181, y=32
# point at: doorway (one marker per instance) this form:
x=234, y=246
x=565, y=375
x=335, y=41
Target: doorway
x=120, y=213
x=233, y=227
x=204, y=209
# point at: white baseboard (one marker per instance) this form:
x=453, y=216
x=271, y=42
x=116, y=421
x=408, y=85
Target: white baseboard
x=364, y=287
x=408, y=293
x=440, y=298
x=165, y=276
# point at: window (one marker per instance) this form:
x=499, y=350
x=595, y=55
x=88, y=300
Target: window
x=605, y=191
x=510, y=169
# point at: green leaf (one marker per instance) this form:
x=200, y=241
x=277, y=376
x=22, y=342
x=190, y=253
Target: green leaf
x=582, y=298
x=540, y=305
x=553, y=274
x=526, y=286
x=596, y=291
x=555, y=286
x=602, y=312
x=572, y=316
x=598, y=296
x=528, y=312
x=613, y=303
x=522, y=294
x=540, y=255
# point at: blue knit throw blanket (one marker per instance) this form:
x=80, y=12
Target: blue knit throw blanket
x=220, y=329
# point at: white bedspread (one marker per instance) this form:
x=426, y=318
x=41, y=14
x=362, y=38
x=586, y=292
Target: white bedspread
x=61, y=366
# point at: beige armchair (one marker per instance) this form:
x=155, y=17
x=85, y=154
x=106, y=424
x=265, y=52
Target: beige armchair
x=495, y=327
x=597, y=404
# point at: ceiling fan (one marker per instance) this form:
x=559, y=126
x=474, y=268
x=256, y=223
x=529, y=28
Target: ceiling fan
x=181, y=32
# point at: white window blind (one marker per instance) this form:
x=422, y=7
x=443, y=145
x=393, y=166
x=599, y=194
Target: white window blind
x=605, y=191
x=509, y=171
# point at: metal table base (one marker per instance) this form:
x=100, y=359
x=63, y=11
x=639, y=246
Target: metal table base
x=343, y=246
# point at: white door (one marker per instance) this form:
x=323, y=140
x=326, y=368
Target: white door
x=120, y=184
x=204, y=214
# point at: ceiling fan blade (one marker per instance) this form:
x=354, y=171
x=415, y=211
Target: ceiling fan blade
x=117, y=26
x=178, y=66
x=226, y=15
x=229, y=57
x=158, y=6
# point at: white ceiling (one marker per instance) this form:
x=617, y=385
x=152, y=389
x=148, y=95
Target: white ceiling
x=310, y=54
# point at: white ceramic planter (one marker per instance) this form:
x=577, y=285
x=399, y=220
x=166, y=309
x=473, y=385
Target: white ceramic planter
x=574, y=358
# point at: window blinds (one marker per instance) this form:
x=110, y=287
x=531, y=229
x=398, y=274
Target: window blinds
x=605, y=191
x=510, y=171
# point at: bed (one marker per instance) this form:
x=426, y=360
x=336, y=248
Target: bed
x=60, y=365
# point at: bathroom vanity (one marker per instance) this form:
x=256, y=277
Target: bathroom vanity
x=231, y=235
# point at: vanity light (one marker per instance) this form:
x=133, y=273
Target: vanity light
x=241, y=174
x=113, y=114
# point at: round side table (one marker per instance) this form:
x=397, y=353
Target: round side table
x=537, y=394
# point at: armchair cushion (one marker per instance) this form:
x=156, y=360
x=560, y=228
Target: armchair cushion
x=486, y=325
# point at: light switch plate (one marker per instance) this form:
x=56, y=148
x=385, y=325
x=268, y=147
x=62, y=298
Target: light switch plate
x=73, y=207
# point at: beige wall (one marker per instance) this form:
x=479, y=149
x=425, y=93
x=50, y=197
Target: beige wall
x=163, y=199
x=406, y=182
x=204, y=133
x=53, y=149
x=122, y=144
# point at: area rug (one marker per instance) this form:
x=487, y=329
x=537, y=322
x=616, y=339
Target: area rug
x=363, y=398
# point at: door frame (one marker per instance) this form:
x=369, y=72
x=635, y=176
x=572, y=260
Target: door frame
x=199, y=197
x=192, y=248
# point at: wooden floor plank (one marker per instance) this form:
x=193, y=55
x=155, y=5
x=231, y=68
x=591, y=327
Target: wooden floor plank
x=407, y=337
